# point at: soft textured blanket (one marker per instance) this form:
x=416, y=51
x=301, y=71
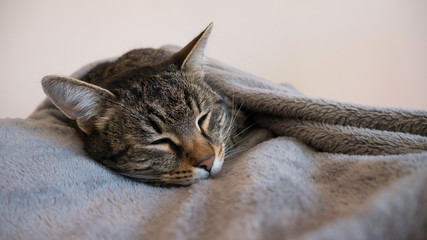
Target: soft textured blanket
x=312, y=169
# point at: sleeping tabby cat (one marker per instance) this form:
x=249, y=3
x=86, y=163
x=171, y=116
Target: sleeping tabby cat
x=150, y=115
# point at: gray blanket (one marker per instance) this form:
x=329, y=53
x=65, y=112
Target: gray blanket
x=311, y=169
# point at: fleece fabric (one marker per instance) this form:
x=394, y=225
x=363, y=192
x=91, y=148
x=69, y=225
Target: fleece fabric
x=310, y=169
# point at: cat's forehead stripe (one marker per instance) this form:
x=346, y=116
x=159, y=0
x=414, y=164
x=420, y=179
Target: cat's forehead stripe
x=188, y=101
x=152, y=111
x=198, y=105
x=155, y=126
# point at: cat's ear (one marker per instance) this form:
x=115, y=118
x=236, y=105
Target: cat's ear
x=76, y=99
x=192, y=56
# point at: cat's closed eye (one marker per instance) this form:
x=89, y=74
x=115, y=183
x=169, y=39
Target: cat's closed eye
x=202, y=123
x=164, y=141
x=165, y=144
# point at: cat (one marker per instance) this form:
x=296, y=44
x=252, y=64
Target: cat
x=150, y=116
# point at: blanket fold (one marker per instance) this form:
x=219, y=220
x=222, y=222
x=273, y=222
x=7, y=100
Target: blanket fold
x=345, y=139
x=310, y=169
x=324, y=124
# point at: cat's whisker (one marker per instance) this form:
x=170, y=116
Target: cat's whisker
x=231, y=130
x=240, y=133
x=228, y=131
x=233, y=119
x=230, y=155
x=233, y=112
x=234, y=144
x=244, y=130
x=228, y=134
x=234, y=153
x=248, y=115
x=230, y=149
x=209, y=84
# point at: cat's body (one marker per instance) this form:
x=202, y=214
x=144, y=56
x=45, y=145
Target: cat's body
x=150, y=115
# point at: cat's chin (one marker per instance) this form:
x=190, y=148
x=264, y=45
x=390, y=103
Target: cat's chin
x=216, y=167
x=199, y=173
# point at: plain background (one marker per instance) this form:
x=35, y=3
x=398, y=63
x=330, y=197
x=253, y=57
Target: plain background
x=366, y=51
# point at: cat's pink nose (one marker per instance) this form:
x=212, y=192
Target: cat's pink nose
x=207, y=163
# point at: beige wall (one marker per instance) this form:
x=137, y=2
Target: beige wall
x=368, y=52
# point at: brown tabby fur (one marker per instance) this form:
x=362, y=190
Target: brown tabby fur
x=150, y=115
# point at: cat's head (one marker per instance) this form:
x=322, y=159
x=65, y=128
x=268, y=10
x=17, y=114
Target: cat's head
x=159, y=123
